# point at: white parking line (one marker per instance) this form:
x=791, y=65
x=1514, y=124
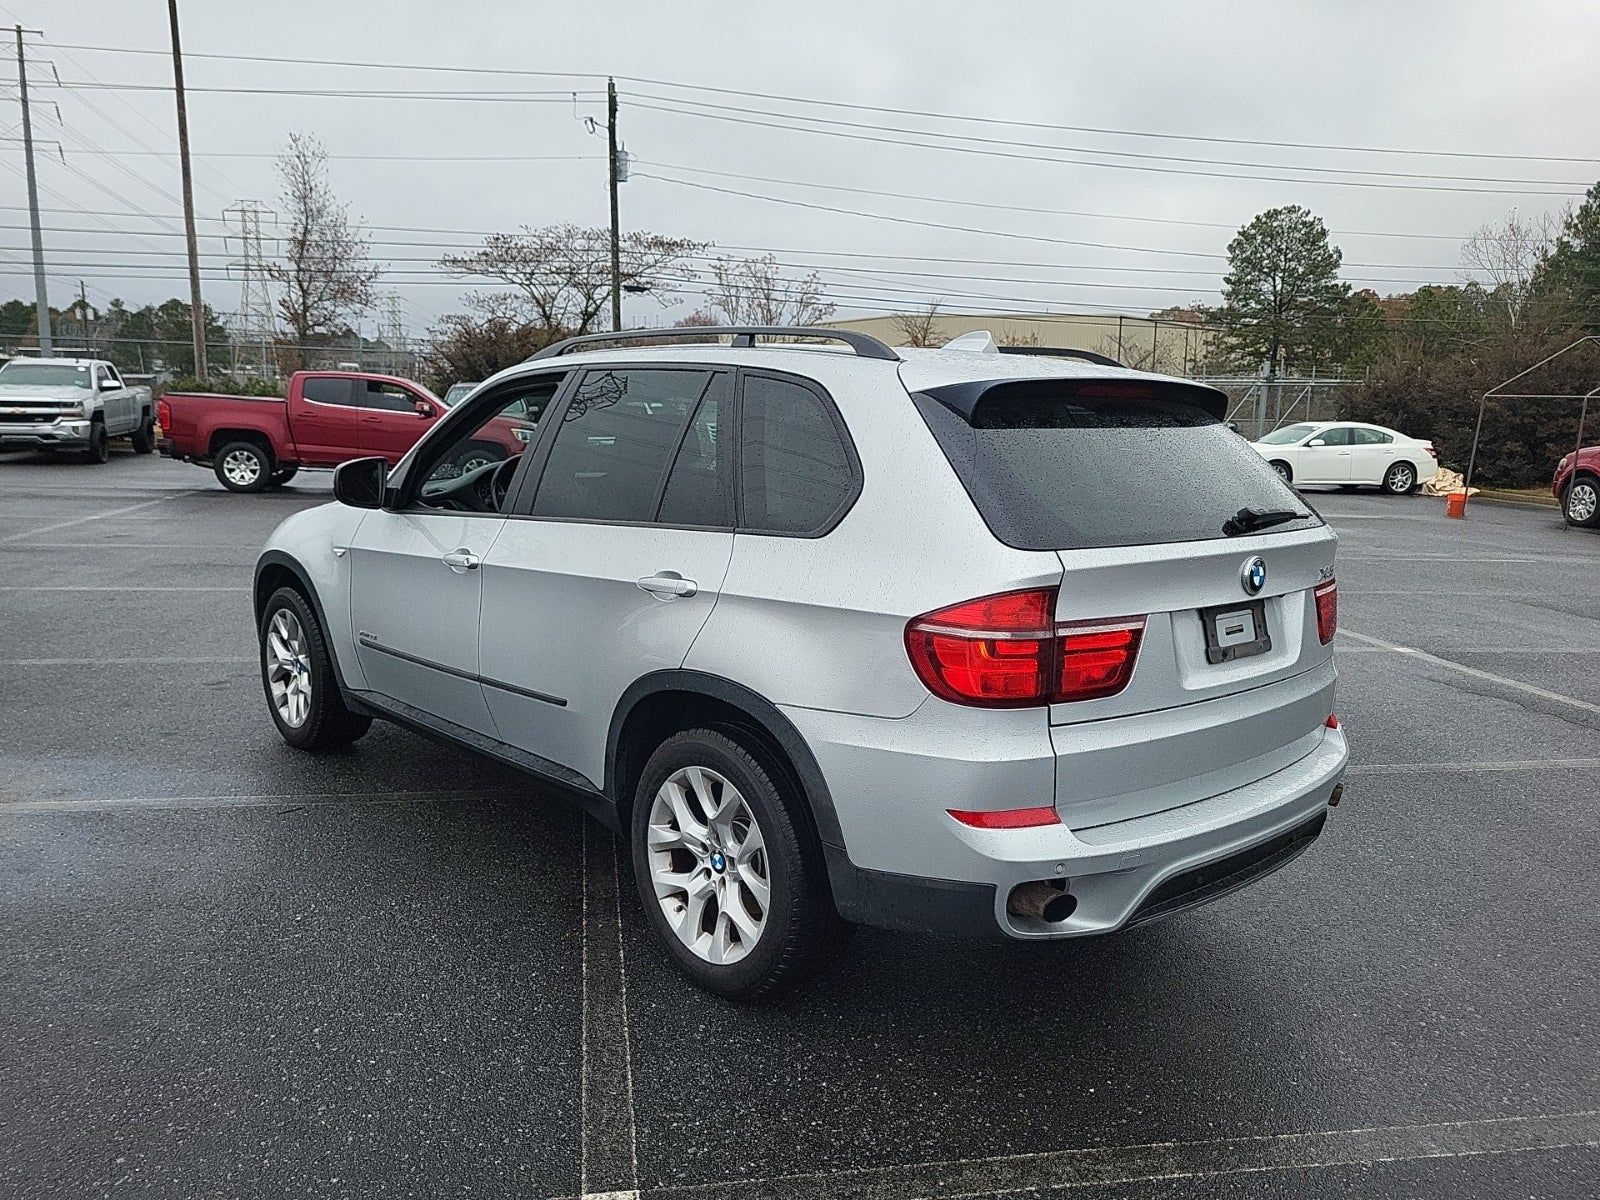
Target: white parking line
x=99, y=516
x=296, y=800
x=1106, y=1166
x=1474, y=672
x=121, y=587
x=608, y=1154
x=1475, y=768
x=127, y=662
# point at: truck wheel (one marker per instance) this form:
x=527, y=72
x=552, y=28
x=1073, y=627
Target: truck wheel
x=99, y=448
x=243, y=467
x=478, y=454
x=144, y=437
x=1581, y=503
x=297, y=673
x=283, y=474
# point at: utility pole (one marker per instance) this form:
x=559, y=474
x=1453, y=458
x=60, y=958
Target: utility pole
x=41, y=301
x=197, y=312
x=615, y=171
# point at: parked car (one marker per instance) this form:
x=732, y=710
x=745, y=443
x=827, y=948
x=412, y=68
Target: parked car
x=457, y=393
x=884, y=636
x=1577, y=485
x=1350, y=454
x=329, y=417
x=76, y=404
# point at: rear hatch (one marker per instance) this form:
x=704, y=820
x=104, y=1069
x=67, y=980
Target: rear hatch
x=1159, y=513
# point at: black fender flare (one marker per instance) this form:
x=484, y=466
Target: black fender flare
x=758, y=709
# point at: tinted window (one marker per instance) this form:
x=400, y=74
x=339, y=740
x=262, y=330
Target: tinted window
x=323, y=389
x=617, y=439
x=794, y=467
x=1370, y=437
x=389, y=396
x=698, y=491
x=1050, y=468
x=1334, y=437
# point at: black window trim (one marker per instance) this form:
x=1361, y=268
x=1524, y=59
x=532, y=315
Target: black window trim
x=852, y=458
x=520, y=500
x=470, y=415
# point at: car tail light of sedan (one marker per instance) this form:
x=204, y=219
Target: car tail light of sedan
x=1009, y=651
x=1327, y=597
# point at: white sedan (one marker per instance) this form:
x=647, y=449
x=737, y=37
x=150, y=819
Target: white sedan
x=1350, y=454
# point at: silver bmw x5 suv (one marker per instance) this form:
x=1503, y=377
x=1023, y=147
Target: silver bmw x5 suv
x=1025, y=645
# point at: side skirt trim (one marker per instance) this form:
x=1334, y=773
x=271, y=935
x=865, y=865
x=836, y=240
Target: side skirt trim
x=372, y=643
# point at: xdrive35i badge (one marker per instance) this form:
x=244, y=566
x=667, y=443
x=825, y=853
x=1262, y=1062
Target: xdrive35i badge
x=1253, y=575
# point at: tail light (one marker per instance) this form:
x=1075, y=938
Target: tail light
x=1327, y=597
x=1432, y=453
x=163, y=414
x=1008, y=651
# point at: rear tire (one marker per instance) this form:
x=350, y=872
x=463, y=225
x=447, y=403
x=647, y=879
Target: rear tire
x=1581, y=504
x=144, y=437
x=759, y=854
x=99, y=447
x=283, y=474
x=297, y=674
x=1400, y=479
x=243, y=466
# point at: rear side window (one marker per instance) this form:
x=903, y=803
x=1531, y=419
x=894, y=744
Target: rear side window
x=796, y=471
x=1059, y=465
x=324, y=389
x=1370, y=437
x=619, y=436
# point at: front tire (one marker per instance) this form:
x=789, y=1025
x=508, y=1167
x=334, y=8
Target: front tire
x=728, y=869
x=144, y=437
x=1400, y=479
x=243, y=467
x=1284, y=471
x=99, y=448
x=1581, y=504
x=298, y=676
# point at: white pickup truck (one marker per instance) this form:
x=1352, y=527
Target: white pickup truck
x=76, y=404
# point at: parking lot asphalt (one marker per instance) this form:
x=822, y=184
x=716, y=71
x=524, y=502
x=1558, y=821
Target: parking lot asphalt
x=234, y=970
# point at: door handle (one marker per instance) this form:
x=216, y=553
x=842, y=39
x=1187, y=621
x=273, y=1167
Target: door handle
x=668, y=585
x=461, y=560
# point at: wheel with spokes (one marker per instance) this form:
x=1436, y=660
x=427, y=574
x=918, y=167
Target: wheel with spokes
x=728, y=869
x=297, y=672
x=1400, y=479
x=243, y=466
x=1581, y=504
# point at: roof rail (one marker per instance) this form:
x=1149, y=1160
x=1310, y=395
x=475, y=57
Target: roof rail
x=744, y=337
x=1063, y=352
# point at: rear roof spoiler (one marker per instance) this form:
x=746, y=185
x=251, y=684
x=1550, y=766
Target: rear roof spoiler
x=1062, y=352
x=962, y=398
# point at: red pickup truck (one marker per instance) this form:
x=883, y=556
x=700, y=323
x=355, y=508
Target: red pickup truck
x=329, y=417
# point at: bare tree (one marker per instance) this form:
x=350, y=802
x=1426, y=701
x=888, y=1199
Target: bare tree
x=920, y=328
x=1508, y=251
x=1160, y=357
x=325, y=275
x=559, y=276
x=752, y=291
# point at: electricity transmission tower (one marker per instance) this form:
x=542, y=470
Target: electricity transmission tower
x=392, y=332
x=253, y=325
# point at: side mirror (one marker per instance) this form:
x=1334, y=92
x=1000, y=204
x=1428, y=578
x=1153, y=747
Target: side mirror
x=1316, y=442
x=424, y=409
x=361, y=482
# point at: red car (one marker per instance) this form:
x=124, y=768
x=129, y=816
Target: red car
x=1581, y=500
x=329, y=417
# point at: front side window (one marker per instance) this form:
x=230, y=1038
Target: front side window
x=795, y=470
x=619, y=436
x=390, y=397
x=1334, y=437
x=472, y=470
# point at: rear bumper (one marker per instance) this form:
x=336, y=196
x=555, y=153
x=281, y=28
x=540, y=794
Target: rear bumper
x=48, y=435
x=910, y=865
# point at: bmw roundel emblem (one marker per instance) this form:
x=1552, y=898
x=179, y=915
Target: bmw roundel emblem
x=718, y=862
x=1253, y=575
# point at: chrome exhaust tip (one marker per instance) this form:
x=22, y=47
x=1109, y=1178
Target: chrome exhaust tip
x=1041, y=900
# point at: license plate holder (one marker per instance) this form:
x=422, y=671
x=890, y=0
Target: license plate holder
x=1235, y=631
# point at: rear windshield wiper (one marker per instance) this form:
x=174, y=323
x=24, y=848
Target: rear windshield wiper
x=1248, y=520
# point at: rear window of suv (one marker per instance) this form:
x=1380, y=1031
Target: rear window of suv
x=1073, y=465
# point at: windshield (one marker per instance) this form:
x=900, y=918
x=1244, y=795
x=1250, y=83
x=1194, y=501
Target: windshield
x=1288, y=434
x=38, y=374
x=1051, y=466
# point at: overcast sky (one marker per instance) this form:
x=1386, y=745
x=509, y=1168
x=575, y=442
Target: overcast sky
x=1441, y=75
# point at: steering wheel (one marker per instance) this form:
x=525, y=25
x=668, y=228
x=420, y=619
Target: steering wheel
x=492, y=487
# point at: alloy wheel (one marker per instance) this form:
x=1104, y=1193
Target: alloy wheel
x=708, y=865
x=241, y=467
x=1283, y=471
x=289, y=668
x=1400, y=479
x=1582, y=500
